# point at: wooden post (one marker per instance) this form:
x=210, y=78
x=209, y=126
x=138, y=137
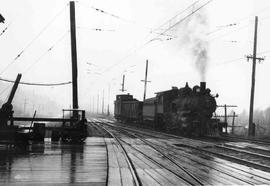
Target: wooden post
x=123, y=84
x=233, y=122
x=73, y=58
x=93, y=105
x=225, y=117
x=145, y=80
x=103, y=102
x=97, y=102
x=108, y=109
x=250, y=125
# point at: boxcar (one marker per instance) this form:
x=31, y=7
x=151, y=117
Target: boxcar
x=126, y=108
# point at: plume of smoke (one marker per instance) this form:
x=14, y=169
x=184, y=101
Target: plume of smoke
x=192, y=34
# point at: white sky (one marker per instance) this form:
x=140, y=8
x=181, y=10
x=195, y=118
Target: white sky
x=120, y=48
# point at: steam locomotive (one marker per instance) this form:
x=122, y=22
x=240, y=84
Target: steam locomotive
x=186, y=111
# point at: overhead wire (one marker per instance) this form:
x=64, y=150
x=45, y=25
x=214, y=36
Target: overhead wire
x=37, y=84
x=164, y=32
x=47, y=51
x=5, y=29
x=238, y=22
x=169, y=20
x=34, y=39
x=184, y=18
x=240, y=28
x=107, y=13
x=239, y=58
x=96, y=29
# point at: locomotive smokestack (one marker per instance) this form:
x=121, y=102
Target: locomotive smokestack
x=203, y=86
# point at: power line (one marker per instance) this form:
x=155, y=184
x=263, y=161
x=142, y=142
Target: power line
x=37, y=84
x=240, y=20
x=5, y=29
x=34, y=39
x=96, y=29
x=46, y=52
x=239, y=58
x=108, y=13
x=174, y=17
x=164, y=32
x=240, y=28
x=184, y=18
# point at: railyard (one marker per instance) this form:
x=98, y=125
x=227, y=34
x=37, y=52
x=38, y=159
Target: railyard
x=183, y=135
x=119, y=155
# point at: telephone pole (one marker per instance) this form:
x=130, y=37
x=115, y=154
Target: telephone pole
x=251, y=126
x=97, y=102
x=90, y=102
x=123, y=84
x=108, y=109
x=103, y=102
x=73, y=58
x=145, y=80
x=93, y=111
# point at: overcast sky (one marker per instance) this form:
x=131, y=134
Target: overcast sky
x=131, y=32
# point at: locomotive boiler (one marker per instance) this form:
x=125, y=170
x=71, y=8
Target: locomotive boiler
x=192, y=111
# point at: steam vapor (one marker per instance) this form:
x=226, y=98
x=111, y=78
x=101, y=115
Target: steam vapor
x=193, y=37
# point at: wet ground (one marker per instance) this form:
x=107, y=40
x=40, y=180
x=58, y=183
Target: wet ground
x=53, y=163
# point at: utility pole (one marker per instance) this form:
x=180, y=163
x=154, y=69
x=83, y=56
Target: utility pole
x=251, y=127
x=93, y=111
x=73, y=58
x=103, y=102
x=90, y=102
x=123, y=84
x=97, y=102
x=233, y=122
x=108, y=109
x=145, y=80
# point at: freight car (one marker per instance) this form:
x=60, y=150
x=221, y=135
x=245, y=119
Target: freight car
x=127, y=109
x=183, y=111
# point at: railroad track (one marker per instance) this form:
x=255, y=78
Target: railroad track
x=232, y=156
x=238, y=138
x=229, y=170
x=191, y=180
x=233, y=152
x=136, y=179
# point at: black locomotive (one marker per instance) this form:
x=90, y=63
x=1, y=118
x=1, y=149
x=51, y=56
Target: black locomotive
x=181, y=111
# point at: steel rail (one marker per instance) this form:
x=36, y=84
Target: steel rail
x=209, y=152
x=156, y=162
x=228, y=157
x=107, y=153
x=132, y=168
x=167, y=149
x=166, y=156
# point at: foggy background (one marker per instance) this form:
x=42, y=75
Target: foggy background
x=116, y=37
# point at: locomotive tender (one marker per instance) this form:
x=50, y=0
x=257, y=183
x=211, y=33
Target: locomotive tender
x=181, y=111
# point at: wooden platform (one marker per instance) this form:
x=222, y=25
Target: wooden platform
x=56, y=163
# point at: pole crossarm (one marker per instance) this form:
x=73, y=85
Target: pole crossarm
x=229, y=116
x=226, y=106
x=251, y=57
